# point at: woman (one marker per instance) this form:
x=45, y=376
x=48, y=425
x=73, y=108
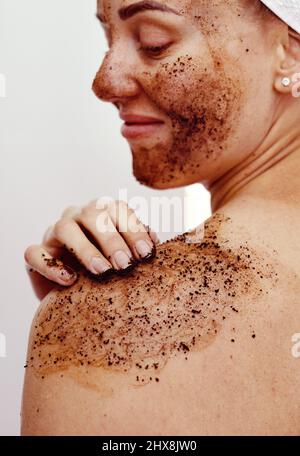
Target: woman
x=199, y=340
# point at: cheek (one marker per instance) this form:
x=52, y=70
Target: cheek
x=199, y=102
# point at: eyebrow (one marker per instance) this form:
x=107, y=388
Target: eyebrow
x=129, y=11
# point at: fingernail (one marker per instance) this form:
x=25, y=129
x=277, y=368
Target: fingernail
x=121, y=259
x=155, y=237
x=67, y=275
x=143, y=248
x=98, y=265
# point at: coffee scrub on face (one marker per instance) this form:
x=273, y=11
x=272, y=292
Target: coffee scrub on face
x=200, y=104
x=196, y=88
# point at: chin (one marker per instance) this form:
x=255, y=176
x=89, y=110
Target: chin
x=157, y=169
x=160, y=183
x=157, y=185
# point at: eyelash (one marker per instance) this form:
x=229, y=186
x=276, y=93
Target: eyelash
x=154, y=50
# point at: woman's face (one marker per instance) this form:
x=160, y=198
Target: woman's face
x=209, y=80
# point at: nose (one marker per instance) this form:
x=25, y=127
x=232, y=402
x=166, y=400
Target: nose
x=115, y=81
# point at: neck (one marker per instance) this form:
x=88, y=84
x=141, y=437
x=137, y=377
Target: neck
x=272, y=170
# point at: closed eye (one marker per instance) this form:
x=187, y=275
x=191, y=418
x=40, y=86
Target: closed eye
x=154, y=50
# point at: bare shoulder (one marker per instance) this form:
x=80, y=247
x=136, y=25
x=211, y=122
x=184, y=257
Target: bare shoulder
x=180, y=332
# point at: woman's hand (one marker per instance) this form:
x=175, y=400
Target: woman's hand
x=102, y=237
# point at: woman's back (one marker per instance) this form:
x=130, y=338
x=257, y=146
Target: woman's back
x=199, y=341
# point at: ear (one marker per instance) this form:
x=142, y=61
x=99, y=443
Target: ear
x=288, y=62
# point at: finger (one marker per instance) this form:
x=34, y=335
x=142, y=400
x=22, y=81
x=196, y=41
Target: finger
x=67, y=233
x=102, y=203
x=153, y=235
x=51, y=244
x=37, y=257
x=132, y=229
x=71, y=212
x=103, y=230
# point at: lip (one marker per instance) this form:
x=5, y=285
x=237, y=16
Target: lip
x=137, y=125
x=135, y=130
x=138, y=119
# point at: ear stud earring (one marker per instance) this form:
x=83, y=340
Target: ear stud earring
x=286, y=82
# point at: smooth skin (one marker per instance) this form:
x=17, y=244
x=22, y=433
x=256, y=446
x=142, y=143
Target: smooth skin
x=236, y=384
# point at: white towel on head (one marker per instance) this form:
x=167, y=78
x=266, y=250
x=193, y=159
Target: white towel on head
x=287, y=10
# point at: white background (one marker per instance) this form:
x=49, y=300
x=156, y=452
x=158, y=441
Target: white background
x=59, y=146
